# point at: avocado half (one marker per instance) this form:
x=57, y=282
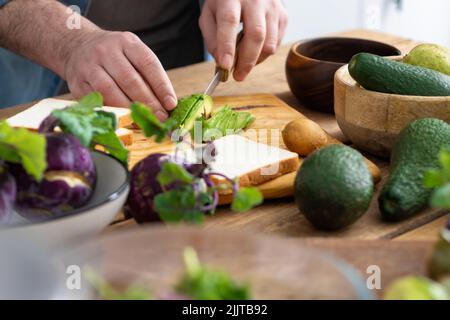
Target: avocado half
x=190, y=109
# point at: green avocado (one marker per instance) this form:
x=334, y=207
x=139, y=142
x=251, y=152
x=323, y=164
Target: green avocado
x=190, y=109
x=333, y=187
x=379, y=74
x=417, y=150
x=431, y=56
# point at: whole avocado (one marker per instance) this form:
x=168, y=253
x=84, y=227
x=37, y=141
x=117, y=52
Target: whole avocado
x=334, y=187
x=379, y=74
x=431, y=56
x=416, y=150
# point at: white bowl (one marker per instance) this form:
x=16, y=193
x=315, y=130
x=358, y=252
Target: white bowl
x=109, y=196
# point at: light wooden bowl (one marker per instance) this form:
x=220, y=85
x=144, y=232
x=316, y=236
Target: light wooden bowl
x=373, y=120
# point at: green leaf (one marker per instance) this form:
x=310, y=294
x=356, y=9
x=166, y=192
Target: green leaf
x=77, y=124
x=178, y=205
x=23, y=147
x=441, y=197
x=444, y=160
x=433, y=178
x=245, y=199
x=200, y=283
x=113, y=145
x=172, y=172
x=92, y=127
x=92, y=100
x=143, y=116
x=108, y=292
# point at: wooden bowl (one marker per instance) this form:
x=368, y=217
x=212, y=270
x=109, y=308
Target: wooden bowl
x=311, y=65
x=373, y=120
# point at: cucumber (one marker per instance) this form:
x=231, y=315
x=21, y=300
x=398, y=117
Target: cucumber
x=383, y=75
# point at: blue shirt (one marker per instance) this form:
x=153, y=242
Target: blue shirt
x=22, y=80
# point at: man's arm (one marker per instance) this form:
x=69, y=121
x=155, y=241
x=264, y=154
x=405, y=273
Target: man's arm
x=37, y=29
x=117, y=64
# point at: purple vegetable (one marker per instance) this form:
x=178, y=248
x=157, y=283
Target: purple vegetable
x=143, y=188
x=68, y=182
x=8, y=189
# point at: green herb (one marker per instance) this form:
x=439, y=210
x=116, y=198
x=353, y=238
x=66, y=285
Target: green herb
x=91, y=126
x=143, y=116
x=107, y=292
x=200, y=283
x=23, y=147
x=439, y=179
x=245, y=199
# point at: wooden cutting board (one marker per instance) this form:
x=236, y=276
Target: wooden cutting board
x=271, y=113
x=281, y=216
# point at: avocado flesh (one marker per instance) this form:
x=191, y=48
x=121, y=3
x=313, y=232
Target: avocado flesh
x=430, y=56
x=190, y=109
x=333, y=187
x=416, y=151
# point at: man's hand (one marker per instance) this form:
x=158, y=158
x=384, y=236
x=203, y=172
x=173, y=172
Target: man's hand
x=264, y=23
x=122, y=68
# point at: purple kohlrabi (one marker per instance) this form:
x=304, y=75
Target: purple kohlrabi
x=8, y=190
x=68, y=182
x=143, y=188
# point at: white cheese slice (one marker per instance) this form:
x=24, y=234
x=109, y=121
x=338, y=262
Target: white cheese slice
x=33, y=116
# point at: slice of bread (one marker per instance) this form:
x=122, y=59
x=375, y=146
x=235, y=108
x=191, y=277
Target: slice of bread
x=33, y=116
x=126, y=136
x=250, y=162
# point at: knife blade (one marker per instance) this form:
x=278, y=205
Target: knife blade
x=222, y=75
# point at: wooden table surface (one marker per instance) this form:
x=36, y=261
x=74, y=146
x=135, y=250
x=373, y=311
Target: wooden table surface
x=270, y=78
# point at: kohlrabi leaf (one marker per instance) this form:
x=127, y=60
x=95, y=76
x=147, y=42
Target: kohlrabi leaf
x=143, y=116
x=439, y=179
x=108, y=292
x=112, y=144
x=245, y=199
x=23, y=147
x=178, y=205
x=201, y=283
x=171, y=173
x=92, y=126
x=441, y=197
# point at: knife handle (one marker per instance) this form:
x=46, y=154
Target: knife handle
x=225, y=73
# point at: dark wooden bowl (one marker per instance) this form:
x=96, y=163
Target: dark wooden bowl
x=311, y=65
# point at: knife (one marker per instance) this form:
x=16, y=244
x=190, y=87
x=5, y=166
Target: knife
x=222, y=75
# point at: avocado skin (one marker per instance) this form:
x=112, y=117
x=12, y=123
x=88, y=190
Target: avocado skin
x=333, y=187
x=387, y=76
x=416, y=151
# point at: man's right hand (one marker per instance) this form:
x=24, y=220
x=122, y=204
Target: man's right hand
x=121, y=67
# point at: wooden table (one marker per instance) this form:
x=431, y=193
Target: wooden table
x=277, y=217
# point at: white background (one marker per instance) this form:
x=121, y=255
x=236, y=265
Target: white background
x=422, y=20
